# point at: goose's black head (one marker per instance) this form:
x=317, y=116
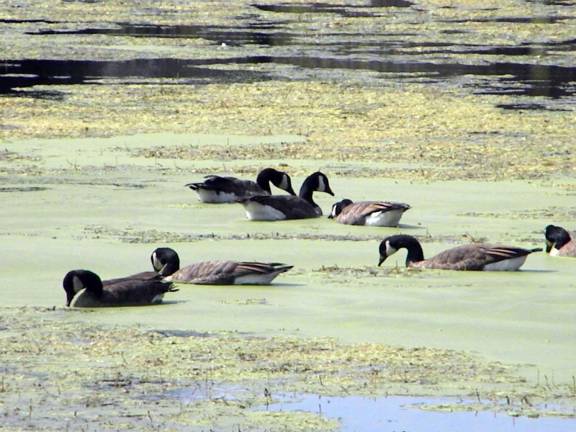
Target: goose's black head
x=77, y=280
x=165, y=261
x=278, y=178
x=338, y=207
x=556, y=237
x=390, y=245
x=315, y=182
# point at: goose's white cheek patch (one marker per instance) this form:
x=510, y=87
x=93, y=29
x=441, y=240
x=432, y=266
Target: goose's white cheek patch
x=156, y=263
x=390, y=250
x=321, y=185
x=333, y=212
x=77, y=284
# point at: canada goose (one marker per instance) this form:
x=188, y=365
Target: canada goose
x=167, y=263
x=85, y=289
x=279, y=207
x=217, y=189
x=475, y=256
x=559, y=242
x=374, y=213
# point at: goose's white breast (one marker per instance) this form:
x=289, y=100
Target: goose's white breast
x=257, y=211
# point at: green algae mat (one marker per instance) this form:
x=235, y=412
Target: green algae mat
x=464, y=110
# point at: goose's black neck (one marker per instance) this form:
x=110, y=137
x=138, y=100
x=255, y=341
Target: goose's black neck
x=263, y=179
x=306, y=191
x=415, y=252
x=170, y=267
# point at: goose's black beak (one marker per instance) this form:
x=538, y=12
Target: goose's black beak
x=329, y=191
x=291, y=191
x=549, y=246
x=381, y=260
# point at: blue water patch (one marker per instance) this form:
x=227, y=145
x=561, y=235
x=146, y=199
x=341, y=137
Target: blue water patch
x=402, y=414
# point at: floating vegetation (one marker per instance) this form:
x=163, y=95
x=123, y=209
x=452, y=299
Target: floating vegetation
x=429, y=135
x=132, y=377
x=337, y=272
x=554, y=212
x=402, y=90
x=133, y=235
x=155, y=236
x=11, y=156
x=23, y=189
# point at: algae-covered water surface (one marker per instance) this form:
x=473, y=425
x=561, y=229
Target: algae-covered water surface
x=464, y=110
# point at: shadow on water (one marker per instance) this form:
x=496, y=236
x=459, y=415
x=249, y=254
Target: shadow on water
x=512, y=20
x=28, y=73
x=526, y=79
x=23, y=189
x=348, y=11
x=554, y=2
x=528, y=107
x=410, y=226
x=401, y=413
x=514, y=78
x=219, y=35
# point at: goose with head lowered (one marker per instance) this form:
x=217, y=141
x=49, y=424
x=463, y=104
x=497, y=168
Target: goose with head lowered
x=474, y=256
x=559, y=242
x=372, y=213
x=220, y=189
x=84, y=288
x=280, y=207
x=167, y=263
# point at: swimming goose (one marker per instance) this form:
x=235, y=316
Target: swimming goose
x=279, y=207
x=559, y=242
x=217, y=189
x=475, y=256
x=85, y=289
x=167, y=263
x=374, y=213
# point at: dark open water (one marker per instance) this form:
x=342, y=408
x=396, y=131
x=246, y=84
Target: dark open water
x=522, y=70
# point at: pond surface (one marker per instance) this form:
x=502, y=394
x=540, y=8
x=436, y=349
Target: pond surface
x=336, y=289
x=397, y=414
x=462, y=109
x=452, y=52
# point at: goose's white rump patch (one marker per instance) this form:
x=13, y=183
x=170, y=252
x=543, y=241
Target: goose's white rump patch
x=511, y=264
x=384, y=218
x=256, y=279
x=210, y=196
